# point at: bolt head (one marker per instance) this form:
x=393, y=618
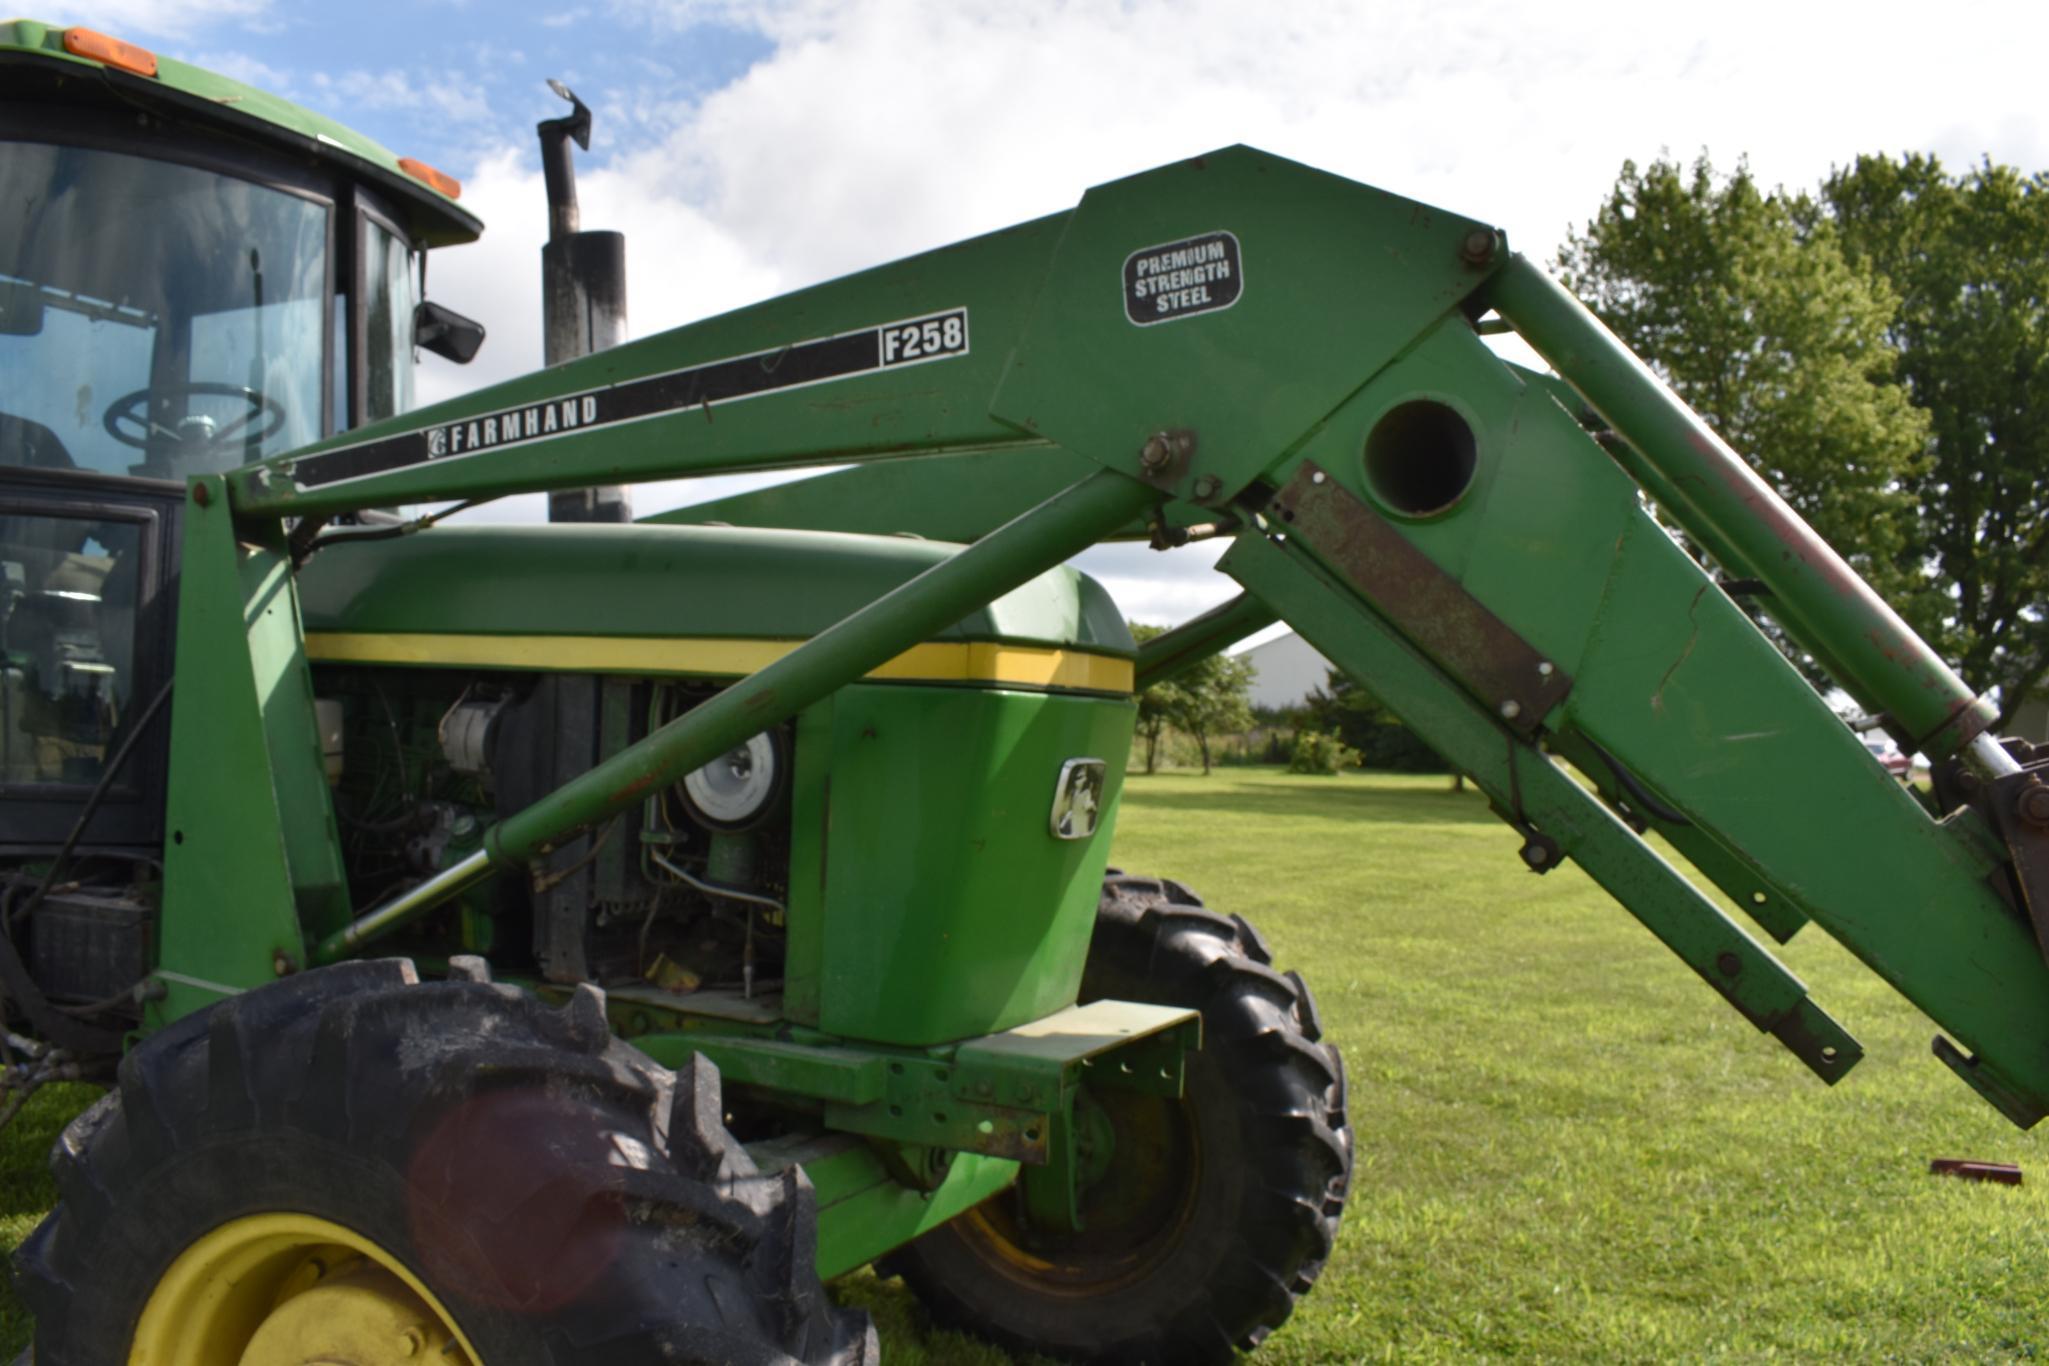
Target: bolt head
x=281, y=965
x=1157, y=452
x=1545, y=669
x=2034, y=804
x=1479, y=247
x=1209, y=486
x=1511, y=709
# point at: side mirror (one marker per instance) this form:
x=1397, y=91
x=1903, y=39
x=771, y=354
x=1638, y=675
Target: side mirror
x=21, y=309
x=446, y=333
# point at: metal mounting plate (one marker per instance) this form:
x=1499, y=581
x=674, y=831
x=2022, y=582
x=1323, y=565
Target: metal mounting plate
x=1423, y=602
x=1043, y=1058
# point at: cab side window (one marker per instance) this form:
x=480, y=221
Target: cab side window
x=70, y=589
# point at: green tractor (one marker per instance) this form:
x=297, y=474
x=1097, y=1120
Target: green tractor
x=574, y=943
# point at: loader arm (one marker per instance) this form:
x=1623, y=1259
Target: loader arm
x=1261, y=350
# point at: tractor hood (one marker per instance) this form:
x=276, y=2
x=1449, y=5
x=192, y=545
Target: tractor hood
x=615, y=598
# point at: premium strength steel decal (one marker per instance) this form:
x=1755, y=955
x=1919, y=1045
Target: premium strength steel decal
x=1184, y=278
x=887, y=346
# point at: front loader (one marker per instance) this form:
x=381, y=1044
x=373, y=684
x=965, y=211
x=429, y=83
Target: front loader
x=572, y=943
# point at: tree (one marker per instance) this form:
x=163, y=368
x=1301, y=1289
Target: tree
x=1215, y=699
x=1748, y=306
x=1204, y=700
x=1157, y=704
x=1315, y=752
x=1358, y=719
x=1968, y=258
x=1881, y=349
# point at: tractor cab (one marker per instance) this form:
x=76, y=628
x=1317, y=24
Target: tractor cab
x=193, y=338
x=193, y=276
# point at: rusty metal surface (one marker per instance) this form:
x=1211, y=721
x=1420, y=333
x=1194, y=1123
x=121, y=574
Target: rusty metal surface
x=2005, y=1173
x=1427, y=605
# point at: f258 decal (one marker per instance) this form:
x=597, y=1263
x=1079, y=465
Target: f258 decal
x=886, y=346
x=933, y=338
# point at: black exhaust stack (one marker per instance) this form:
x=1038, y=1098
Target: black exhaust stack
x=583, y=292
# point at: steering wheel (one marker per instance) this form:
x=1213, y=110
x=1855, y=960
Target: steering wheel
x=128, y=421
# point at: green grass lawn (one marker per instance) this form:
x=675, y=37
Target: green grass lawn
x=1568, y=1147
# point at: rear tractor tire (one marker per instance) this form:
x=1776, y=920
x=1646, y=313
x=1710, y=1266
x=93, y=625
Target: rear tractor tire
x=1214, y=1213
x=350, y=1165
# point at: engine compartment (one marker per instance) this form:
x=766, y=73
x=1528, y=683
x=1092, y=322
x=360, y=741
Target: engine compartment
x=687, y=891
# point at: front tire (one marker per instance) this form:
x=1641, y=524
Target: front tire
x=464, y=1157
x=1214, y=1213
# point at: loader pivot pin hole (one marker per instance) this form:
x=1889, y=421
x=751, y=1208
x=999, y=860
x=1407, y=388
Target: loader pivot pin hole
x=1420, y=457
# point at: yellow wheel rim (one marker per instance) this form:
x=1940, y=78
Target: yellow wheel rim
x=292, y=1290
x=1134, y=1214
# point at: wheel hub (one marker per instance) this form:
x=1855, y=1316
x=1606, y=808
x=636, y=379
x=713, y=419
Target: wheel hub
x=293, y=1290
x=1138, y=1169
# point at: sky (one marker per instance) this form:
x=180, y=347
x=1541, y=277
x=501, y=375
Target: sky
x=747, y=149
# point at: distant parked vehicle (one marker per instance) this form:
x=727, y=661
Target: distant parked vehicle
x=1887, y=753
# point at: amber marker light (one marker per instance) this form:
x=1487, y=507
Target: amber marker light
x=84, y=42
x=427, y=175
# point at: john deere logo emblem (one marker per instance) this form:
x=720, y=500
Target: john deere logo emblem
x=1078, y=799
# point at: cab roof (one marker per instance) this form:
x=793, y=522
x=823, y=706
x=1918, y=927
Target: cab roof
x=190, y=94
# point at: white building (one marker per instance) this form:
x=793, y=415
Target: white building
x=1286, y=671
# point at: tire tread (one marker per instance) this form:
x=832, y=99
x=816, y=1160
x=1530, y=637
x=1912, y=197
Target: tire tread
x=1264, y=1027
x=363, y=1058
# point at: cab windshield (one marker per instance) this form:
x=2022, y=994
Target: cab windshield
x=155, y=319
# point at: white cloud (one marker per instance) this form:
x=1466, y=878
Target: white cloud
x=1159, y=587
x=920, y=123
x=154, y=18
x=680, y=265
x=417, y=91
x=682, y=15
x=239, y=66
x=877, y=128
